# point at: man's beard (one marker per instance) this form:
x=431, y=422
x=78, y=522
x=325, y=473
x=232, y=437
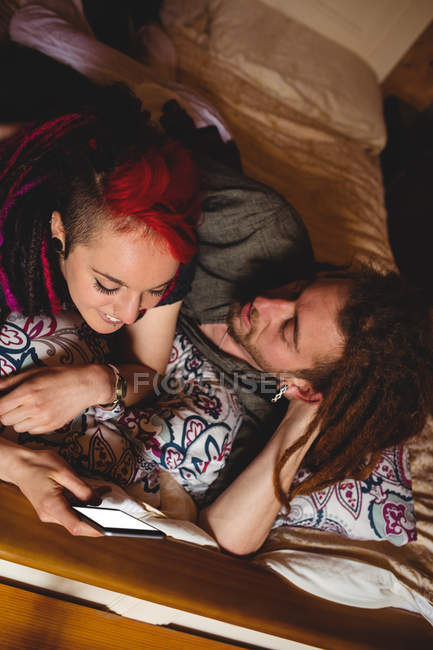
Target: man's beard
x=244, y=340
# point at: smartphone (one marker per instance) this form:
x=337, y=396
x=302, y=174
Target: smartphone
x=116, y=523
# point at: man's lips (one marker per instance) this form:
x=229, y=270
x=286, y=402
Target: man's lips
x=245, y=315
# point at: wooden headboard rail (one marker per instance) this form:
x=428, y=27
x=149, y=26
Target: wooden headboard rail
x=200, y=581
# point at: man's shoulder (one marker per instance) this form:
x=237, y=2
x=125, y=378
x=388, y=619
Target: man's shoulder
x=250, y=239
x=229, y=189
x=238, y=210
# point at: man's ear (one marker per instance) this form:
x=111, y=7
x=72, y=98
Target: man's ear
x=301, y=389
x=57, y=229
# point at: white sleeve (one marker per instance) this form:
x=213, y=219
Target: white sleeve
x=60, y=30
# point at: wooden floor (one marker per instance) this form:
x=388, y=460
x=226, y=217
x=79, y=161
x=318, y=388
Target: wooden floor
x=33, y=621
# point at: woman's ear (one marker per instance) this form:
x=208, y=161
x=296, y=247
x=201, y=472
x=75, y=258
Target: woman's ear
x=302, y=390
x=57, y=229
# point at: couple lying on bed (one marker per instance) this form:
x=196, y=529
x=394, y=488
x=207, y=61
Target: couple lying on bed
x=101, y=220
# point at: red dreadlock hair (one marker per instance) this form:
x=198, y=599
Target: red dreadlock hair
x=90, y=166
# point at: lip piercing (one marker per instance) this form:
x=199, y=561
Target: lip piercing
x=280, y=393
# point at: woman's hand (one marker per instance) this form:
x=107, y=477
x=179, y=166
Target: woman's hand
x=41, y=400
x=44, y=478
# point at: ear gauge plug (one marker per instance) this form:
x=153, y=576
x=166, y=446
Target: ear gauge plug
x=280, y=393
x=58, y=246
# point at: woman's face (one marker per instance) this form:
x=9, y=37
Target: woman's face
x=117, y=274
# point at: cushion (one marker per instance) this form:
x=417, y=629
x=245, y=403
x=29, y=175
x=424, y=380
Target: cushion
x=378, y=508
x=343, y=580
x=291, y=63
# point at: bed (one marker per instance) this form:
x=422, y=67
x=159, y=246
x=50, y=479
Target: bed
x=306, y=115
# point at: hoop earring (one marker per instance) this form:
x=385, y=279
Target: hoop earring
x=280, y=393
x=58, y=246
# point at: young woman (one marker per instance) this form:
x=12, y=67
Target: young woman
x=97, y=213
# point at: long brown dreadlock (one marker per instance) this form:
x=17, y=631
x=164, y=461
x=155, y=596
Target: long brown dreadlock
x=380, y=391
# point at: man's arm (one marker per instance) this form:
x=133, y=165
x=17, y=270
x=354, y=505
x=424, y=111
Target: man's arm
x=242, y=516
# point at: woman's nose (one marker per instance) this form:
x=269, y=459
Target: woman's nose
x=127, y=308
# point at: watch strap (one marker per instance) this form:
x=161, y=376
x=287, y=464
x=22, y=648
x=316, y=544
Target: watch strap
x=120, y=388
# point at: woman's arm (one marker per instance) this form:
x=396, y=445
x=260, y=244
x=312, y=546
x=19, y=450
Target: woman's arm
x=147, y=345
x=43, y=477
x=242, y=516
x=41, y=400
x=141, y=352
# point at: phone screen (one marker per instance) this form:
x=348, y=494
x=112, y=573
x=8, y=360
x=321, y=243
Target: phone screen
x=111, y=521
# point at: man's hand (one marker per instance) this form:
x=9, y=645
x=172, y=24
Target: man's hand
x=44, y=478
x=41, y=400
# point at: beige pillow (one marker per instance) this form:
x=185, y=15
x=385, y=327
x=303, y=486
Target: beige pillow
x=297, y=66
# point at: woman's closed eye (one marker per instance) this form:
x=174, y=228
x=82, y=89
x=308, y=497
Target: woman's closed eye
x=100, y=287
x=157, y=292
x=103, y=289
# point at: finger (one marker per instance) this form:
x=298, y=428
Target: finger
x=85, y=530
x=95, y=500
x=35, y=425
x=26, y=425
x=35, y=428
x=12, y=400
x=16, y=415
x=67, y=479
x=60, y=513
x=98, y=493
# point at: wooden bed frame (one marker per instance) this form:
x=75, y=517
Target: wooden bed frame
x=176, y=575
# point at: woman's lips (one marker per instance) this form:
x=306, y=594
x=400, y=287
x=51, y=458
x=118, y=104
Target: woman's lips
x=109, y=319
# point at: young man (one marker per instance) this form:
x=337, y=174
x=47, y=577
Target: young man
x=353, y=348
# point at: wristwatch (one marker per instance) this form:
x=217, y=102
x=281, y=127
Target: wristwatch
x=120, y=388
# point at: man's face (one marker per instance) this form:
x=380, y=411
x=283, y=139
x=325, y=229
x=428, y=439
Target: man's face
x=280, y=333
